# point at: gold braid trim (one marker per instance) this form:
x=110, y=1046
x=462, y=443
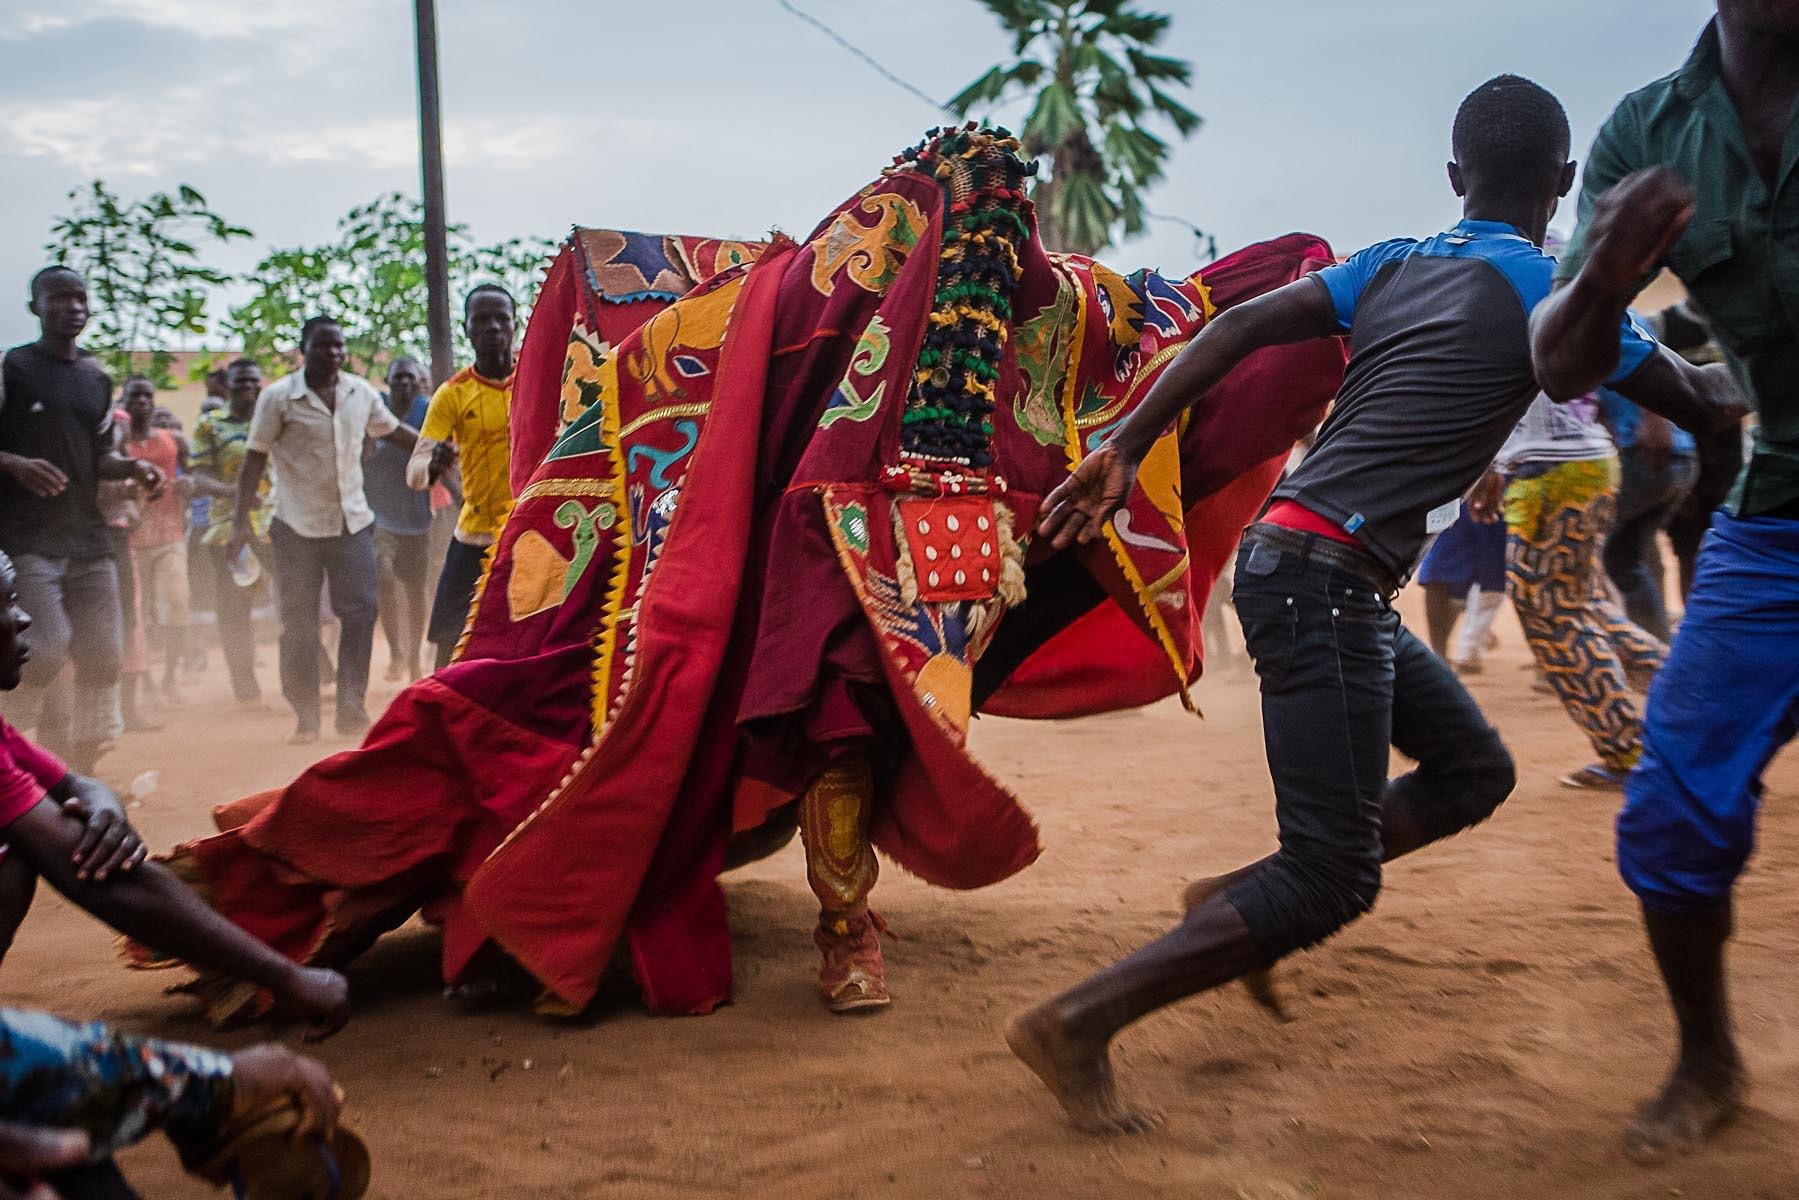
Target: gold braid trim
x=666, y=412
x=589, y=488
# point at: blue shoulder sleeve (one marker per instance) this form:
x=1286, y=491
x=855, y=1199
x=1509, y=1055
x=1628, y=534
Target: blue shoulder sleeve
x=1636, y=345
x=1345, y=281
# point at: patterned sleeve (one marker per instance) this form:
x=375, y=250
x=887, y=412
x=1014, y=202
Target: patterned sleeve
x=202, y=444
x=117, y=1087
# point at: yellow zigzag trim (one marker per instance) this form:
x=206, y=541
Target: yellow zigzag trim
x=606, y=639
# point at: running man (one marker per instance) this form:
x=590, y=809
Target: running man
x=1439, y=373
x=159, y=541
x=402, y=526
x=311, y=427
x=470, y=422
x=57, y=443
x=217, y=458
x=1697, y=170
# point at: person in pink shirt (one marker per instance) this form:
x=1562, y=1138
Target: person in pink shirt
x=70, y=831
x=159, y=541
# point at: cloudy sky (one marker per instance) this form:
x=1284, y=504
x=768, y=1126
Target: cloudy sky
x=732, y=116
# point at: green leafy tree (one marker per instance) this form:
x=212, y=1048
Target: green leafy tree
x=146, y=278
x=1099, y=89
x=372, y=279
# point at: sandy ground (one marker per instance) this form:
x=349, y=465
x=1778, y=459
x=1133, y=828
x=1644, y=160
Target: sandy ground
x=1484, y=1032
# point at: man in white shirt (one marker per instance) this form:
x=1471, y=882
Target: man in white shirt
x=311, y=427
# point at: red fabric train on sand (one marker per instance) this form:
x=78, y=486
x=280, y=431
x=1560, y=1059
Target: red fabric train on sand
x=715, y=572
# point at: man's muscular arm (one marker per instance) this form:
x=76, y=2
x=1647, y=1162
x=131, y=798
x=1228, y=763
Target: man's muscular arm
x=1698, y=399
x=1079, y=507
x=1574, y=333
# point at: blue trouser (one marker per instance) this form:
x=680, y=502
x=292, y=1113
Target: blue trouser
x=1726, y=701
x=302, y=566
x=1342, y=680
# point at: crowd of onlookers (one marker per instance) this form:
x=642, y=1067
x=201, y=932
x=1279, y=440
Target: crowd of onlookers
x=314, y=494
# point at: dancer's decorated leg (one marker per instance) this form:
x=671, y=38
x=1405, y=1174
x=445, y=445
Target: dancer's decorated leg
x=841, y=867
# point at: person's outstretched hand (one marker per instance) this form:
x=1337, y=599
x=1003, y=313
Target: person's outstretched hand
x=1079, y=508
x=1633, y=226
x=30, y=1151
x=270, y=1073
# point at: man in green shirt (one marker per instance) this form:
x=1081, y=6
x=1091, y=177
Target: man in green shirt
x=1700, y=171
x=216, y=459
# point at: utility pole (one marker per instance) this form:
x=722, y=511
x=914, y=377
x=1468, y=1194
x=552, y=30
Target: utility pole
x=431, y=146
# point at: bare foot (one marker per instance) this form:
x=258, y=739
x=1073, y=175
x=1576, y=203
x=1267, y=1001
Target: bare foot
x=320, y=996
x=1259, y=984
x=1700, y=1098
x=1077, y=1074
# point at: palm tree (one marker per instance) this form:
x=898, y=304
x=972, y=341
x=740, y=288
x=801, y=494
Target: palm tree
x=1098, y=84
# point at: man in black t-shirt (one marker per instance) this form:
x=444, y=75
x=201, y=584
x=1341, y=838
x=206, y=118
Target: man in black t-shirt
x=56, y=444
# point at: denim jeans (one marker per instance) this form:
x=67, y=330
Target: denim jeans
x=1342, y=679
x=302, y=565
x=1648, y=498
x=75, y=617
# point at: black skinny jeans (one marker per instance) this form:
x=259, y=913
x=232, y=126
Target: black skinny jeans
x=1342, y=678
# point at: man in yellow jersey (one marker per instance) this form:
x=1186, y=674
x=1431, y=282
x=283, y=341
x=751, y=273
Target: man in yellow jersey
x=469, y=422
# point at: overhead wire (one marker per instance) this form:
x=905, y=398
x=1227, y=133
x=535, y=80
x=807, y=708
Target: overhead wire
x=1204, y=241
x=860, y=53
